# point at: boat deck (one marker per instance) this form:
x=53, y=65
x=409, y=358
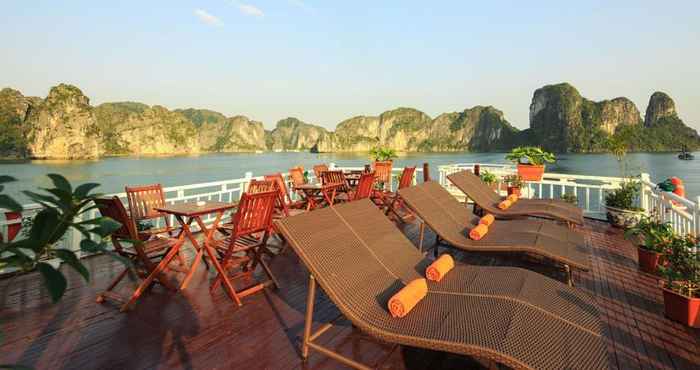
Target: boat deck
x=201, y=330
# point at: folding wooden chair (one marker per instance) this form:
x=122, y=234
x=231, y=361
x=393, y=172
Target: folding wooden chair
x=241, y=251
x=393, y=201
x=143, y=200
x=364, y=186
x=337, y=179
x=150, y=258
x=297, y=175
x=319, y=169
x=287, y=203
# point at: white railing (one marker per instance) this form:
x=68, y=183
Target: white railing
x=222, y=191
x=683, y=214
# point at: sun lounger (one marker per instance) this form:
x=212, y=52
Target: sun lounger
x=451, y=221
x=483, y=196
x=505, y=314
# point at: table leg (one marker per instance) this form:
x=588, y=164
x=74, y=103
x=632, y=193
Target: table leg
x=186, y=231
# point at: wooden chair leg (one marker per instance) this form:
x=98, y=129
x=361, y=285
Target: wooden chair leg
x=151, y=276
x=267, y=270
x=112, y=285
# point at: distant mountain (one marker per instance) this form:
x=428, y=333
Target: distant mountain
x=64, y=125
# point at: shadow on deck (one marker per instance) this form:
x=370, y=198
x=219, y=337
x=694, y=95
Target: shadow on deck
x=197, y=329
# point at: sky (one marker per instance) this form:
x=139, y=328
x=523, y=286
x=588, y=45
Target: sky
x=325, y=61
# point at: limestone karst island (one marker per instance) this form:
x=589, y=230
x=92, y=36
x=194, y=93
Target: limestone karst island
x=64, y=125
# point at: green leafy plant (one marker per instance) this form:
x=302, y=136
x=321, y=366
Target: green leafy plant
x=682, y=270
x=488, y=177
x=514, y=181
x=625, y=196
x=653, y=234
x=569, y=198
x=380, y=154
x=530, y=155
x=60, y=206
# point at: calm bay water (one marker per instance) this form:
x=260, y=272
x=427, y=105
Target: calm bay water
x=114, y=173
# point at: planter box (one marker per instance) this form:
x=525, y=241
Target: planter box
x=530, y=172
x=649, y=261
x=681, y=308
x=622, y=218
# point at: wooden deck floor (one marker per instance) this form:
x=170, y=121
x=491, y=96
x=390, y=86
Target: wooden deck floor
x=197, y=329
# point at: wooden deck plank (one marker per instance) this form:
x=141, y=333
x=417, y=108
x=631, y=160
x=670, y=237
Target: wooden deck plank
x=199, y=329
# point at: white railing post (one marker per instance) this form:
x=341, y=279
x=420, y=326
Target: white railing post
x=697, y=217
x=643, y=199
x=244, y=185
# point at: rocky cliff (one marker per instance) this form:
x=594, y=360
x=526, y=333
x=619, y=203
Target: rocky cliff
x=135, y=128
x=217, y=133
x=14, y=109
x=410, y=130
x=62, y=126
x=65, y=125
x=293, y=134
x=562, y=120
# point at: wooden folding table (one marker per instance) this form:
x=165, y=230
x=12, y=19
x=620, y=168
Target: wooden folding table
x=185, y=214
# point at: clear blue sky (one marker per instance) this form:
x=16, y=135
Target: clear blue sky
x=323, y=61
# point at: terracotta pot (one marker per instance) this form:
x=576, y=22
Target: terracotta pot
x=648, y=261
x=530, y=172
x=513, y=190
x=683, y=309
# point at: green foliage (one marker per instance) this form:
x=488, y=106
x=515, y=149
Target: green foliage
x=513, y=180
x=625, y=196
x=488, y=177
x=682, y=270
x=531, y=155
x=380, y=154
x=61, y=205
x=654, y=235
x=569, y=198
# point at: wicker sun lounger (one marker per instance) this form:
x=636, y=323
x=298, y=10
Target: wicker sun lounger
x=505, y=314
x=488, y=200
x=451, y=221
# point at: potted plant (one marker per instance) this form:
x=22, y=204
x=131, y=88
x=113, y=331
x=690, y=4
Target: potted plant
x=620, y=204
x=381, y=154
x=514, y=183
x=569, y=198
x=681, y=289
x=531, y=161
x=488, y=178
x=652, y=238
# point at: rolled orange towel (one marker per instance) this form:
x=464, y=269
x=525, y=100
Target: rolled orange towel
x=505, y=204
x=405, y=299
x=478, y=232
x=512, y=198
x=439, y=268
x=487, y=220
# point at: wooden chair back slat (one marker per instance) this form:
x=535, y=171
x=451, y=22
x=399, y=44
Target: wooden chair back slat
x=333, y=177
x=406, y=177
x=254, y=213
x=319, y=169
x=261, y=186
x=144, y=199
x=297, y=175
x=364, y=186
x=114, y=209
